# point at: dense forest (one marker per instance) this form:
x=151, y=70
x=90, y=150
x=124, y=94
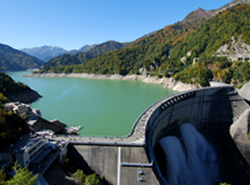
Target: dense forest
x=216, y=32
x=11, y=126
x=12, y=59
x=207, y=39
x=8, y=86
x=170, y=51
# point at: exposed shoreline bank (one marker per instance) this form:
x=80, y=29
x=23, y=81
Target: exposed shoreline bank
x=170, y=83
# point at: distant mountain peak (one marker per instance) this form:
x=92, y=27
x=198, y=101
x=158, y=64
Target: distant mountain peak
x=45, y=52
x=200, y=13
x=200, y=9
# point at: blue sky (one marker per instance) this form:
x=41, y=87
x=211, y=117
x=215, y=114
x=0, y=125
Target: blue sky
x=71, y=24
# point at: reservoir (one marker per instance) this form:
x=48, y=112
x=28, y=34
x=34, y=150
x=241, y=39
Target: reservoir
x=101, y=107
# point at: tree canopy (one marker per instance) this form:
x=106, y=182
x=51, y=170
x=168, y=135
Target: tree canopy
x=22, y=176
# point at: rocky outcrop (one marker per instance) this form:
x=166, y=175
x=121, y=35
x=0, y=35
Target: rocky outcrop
x=166, y=82
x=231, y=4
x=234, y=47
x=55, y=125
x=26, y=96
x=245, y=91
x=239, y=132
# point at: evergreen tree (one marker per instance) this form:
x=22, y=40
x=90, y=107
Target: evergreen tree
x=2, y=177
x=22, y=176
x=80, y=176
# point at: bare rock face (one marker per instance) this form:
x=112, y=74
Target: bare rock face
x=239, y=130
x=143, y=71
x=244, y=92
x=231, y=4
x=54, y=125
x=116, y=77
x=235, y=47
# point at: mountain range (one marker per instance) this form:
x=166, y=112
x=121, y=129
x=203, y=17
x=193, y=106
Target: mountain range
x=45, y=53
x=160, y=52
x=81, y=57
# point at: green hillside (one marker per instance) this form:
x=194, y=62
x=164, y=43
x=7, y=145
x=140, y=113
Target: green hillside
x=5, y=64
x=81, y=57
x=214, y=33
x=8, y=86
x=207, y=39
x=11, y=127
x=12, y=59
x=16, y=91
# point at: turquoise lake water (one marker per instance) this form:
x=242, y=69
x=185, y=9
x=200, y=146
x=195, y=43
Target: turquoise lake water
x=102, y=107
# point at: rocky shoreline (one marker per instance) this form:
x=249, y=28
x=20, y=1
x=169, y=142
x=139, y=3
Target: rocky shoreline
x=166, y=82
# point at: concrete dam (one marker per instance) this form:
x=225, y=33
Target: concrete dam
x=211, y=111
x=193, y=137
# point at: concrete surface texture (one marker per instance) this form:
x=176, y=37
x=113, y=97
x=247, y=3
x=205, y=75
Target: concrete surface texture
x=118, y=164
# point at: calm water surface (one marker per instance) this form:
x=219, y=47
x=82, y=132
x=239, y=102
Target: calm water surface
x=102, y=107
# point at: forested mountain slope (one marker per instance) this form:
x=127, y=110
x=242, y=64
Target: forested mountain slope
x=216, y=32
x=80, y=57
x=12, y=59
x=227, y=27
x=16, y=91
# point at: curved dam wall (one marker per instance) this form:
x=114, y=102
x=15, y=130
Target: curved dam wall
x=211, y=111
